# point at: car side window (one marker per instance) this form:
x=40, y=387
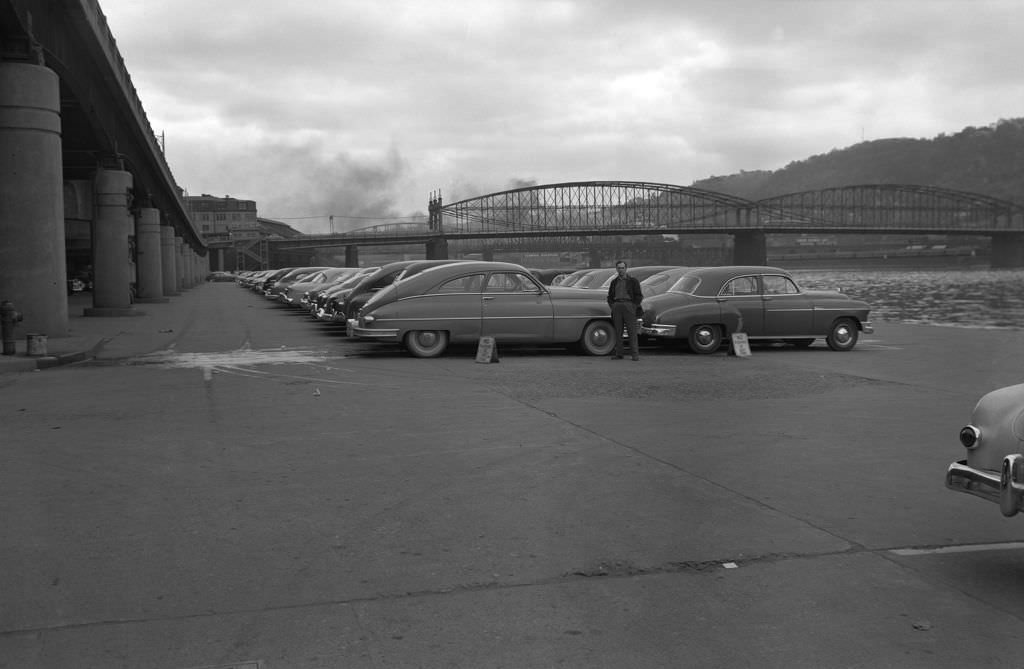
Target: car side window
x=510, y=282
x=775, y=284
x=463, y=284
x=740, y=286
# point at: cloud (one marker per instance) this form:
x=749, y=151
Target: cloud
x=369, y=106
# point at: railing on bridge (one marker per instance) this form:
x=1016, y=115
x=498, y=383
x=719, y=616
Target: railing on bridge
x=580, y=211
x=591, y=208
x=890, y=208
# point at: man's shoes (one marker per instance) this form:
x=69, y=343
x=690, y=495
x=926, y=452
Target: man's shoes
x=616, y=357
x=635, y=358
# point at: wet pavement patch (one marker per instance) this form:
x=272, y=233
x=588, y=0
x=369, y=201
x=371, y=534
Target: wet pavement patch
x=247, y=664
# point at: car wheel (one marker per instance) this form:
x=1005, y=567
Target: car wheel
x=843, y=335
x=426, y=343
x=598, y=338
x=705, y=338
x=801, y=343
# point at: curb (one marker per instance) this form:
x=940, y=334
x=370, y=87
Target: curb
x=24, y=363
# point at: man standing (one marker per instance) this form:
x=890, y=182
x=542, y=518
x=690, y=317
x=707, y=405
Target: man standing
x=624, y=298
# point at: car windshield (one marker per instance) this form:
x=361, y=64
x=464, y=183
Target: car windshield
x=656, y=284
x=686, y=284
x=573, y=278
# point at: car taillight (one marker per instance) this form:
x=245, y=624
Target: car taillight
x=969, y=436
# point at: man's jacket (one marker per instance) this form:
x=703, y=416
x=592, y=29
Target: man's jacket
x=632, y=289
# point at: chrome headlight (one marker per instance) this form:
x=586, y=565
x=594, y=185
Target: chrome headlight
x=970, y=436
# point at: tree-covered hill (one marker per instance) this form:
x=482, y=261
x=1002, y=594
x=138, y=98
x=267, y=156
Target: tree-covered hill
x=988, y=160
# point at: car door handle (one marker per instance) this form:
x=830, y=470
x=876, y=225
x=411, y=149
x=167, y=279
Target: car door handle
x=488, y=298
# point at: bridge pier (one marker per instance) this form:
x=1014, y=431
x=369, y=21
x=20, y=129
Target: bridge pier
x=352, y=256
x=749, y=248
x=112, y=224
x=437, y=249
x=179, y=263
x=33, y=269
x=168, y=266
x=149, y=256
x=1007, y=250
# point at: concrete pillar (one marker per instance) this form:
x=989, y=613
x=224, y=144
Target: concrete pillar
x=219, y=261
x=179, y=262
x=749, y=248
x=186, y=260
x=149, y=255
x=1007, y=250
x=437, y=249
x=33, y=267
x=111, y=262
x=168, y=266
x=190, y=270
x=352, y=256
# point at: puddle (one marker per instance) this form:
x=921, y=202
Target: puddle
x=244, y=357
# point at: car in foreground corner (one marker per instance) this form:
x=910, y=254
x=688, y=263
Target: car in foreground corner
x=994, y=467
x=459, y=303
x=707, y=305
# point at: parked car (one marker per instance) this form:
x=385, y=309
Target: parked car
x=297, y=293
x=656, y=284
x=330, y=302
x=382, y=278
x=571, y=279
x=639, y=273
x=706, y=305
x=549, y=276
x=220, y=276
x=265, y=282
x=594, y=278
x=277, y=289
x=994, y=467
x=461, y=302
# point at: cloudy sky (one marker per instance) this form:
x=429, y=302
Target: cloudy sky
x=361, y=108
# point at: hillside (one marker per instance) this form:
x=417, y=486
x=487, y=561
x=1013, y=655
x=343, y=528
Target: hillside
x=988, y=160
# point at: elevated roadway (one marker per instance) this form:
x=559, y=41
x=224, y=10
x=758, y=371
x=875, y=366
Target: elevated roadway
x=84, y=185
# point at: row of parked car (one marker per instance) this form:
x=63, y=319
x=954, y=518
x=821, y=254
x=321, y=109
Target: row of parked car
x=426, y=305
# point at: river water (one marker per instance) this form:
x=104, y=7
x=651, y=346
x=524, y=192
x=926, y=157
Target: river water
x=975, y=298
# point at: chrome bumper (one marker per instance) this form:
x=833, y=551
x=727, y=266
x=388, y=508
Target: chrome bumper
x=866, y=327
x=1005, y=488
x=656, y=330
x=375, y=333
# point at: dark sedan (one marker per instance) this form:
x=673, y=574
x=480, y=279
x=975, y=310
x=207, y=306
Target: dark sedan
x=706, y=305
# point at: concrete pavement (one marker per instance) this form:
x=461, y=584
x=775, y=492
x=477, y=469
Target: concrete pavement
x=94, y=336
x=370, y=509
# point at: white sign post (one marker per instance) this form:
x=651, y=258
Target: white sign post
x=740, y=345
x=486, y=350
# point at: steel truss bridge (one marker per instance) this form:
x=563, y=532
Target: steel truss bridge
x=578, y=214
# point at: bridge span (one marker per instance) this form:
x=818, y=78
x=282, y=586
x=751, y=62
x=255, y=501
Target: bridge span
x=581, y=212
x=83, y=181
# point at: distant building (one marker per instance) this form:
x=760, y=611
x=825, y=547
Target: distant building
x=223, y=218
x=276, y=229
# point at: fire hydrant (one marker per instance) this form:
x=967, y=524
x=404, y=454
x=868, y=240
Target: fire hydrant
x=9, y=317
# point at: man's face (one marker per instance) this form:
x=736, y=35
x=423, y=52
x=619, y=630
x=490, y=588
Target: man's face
x=621, y=269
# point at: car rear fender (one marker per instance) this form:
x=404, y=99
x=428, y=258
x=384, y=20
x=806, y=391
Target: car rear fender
x=706, y=312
